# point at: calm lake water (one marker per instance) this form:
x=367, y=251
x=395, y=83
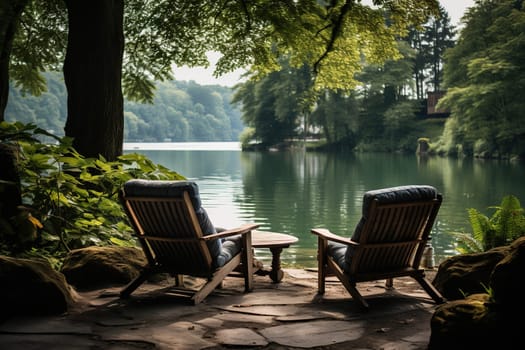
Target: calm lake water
x=291, y=192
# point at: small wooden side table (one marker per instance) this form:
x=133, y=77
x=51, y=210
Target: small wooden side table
x=276, y=242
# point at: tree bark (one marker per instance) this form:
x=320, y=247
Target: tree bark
x=10, y=194
x=92, y=73
x=10, y=12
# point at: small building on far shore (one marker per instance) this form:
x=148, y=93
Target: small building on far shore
x=432, y=100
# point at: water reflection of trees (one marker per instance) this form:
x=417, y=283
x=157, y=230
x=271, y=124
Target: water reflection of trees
x=301, y=190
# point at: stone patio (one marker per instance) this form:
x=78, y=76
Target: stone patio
x=286, y=315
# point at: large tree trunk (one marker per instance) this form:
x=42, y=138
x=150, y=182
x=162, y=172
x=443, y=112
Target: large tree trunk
x=10, y=193
x=92, y=73
x=10, y=12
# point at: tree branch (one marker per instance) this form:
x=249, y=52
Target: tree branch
x=337, y=25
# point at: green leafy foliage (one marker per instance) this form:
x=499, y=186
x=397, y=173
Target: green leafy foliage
x=39, y=45
x=275, y=105
x=69, y=201
x=505, y=225
x=330, y=37
x=484, y=76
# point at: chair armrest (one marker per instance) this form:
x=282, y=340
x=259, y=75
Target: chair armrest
x=241, y=230
x=326, y=234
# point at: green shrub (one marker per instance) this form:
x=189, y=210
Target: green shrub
x=69, y=201
x=247, y=136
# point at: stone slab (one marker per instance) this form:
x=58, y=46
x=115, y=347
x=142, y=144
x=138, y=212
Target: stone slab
x=239, y=337
x=314, y=334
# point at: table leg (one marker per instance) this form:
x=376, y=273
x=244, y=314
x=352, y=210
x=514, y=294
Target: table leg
x=276, y=274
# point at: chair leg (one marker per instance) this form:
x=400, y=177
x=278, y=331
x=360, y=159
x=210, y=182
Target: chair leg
x=126, y=292
x=201, y=294
x=216, y=279
x=347, y=283
x=351, y=288
x=179, y=281
x=430, y=289
x=247, y=262
x=321, y=264
x=356, y=295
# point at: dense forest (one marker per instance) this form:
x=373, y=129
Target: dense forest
x=182, y=111
x=478, y=71
x=387, y=112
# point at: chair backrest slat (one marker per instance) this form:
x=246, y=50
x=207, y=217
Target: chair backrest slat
x=393, y=233
x=175, y=220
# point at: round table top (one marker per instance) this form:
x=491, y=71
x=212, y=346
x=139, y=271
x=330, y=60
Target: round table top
x=266, y=239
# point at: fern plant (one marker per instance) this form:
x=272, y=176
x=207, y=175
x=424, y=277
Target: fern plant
x=505, y=225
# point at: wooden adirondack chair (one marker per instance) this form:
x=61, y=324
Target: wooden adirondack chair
x=177, y=237
x=388, y=242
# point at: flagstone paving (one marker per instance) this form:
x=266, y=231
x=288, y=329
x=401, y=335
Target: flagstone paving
x=286, y=315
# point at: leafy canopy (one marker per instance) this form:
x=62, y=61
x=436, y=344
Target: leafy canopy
x=331, y=37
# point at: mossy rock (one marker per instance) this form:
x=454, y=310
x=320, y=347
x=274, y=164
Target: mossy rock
x=96, y=267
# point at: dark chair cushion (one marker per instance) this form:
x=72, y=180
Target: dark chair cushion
x=338, y=251
x=161, y=188
x=175, y=189
x=399, y=194
x=231, y=246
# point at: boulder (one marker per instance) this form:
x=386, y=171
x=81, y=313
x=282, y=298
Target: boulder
x=463, y=324
x=30, y=286
x=508, y=279
x=486, y=320
x=465, y=274
x=97, y=267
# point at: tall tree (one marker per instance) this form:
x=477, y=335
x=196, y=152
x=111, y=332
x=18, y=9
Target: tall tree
x=415, y=39
x=10, y=12
x=485, y=79
x=336, y=115
x=386, y=103
x=430, y=42
x=439, y=36
x=93, y=72
x=330, y=37
x=273, y=105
